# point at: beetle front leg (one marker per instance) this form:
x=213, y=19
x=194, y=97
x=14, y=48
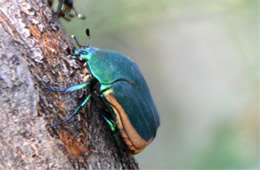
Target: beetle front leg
x=74, y=113
x=71, y=88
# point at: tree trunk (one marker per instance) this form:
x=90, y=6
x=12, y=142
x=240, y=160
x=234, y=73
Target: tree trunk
x=34, y=53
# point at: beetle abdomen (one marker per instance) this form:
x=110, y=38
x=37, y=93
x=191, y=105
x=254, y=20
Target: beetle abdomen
x=134, y=117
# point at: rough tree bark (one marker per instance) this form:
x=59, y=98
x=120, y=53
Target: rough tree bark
x=34, y=54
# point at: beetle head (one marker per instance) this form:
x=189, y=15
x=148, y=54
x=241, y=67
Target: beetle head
x=84, y=53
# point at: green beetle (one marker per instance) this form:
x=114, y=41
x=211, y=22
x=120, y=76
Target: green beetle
x=123, y=89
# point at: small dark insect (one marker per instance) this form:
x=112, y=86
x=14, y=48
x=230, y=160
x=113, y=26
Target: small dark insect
x=64, y=9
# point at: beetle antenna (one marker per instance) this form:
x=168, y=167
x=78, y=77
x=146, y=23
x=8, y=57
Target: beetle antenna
x=88, y=36
x=75, y=38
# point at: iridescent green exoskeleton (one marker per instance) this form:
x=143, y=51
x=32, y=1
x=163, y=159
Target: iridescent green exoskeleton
x=124, y=91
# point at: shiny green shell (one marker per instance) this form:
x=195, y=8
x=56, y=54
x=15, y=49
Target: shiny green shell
x=122, y=80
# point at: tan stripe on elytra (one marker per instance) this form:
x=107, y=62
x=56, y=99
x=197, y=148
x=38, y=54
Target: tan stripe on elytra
x=134, y=141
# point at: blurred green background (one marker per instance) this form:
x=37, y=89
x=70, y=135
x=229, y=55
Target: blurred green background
x=201, y=60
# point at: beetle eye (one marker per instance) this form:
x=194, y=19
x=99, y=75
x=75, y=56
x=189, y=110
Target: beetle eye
x=84, y=53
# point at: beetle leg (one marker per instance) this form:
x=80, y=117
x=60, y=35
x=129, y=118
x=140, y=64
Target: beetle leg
x=60, y=7
x=74, y=113
x=111, y=125
x=117, y=138
x=70, y=89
